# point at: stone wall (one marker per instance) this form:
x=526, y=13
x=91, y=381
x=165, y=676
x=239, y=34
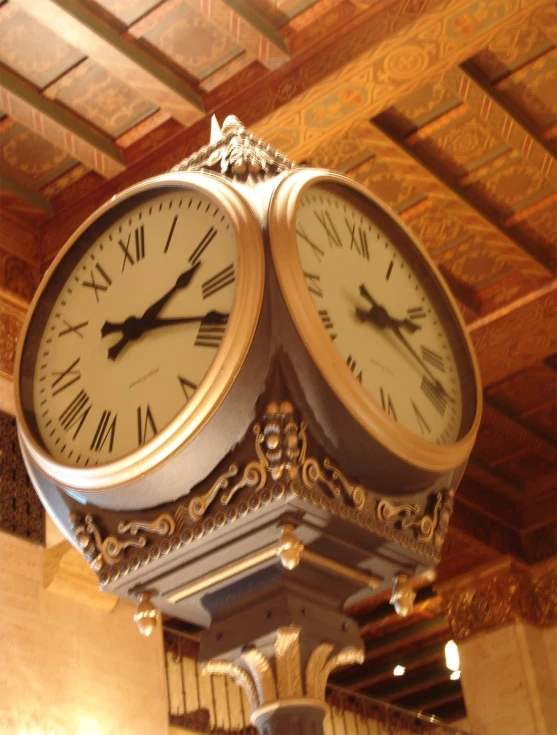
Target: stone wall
x=68, y=668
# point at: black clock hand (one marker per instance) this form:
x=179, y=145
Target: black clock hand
x=384, y=319
x=182, y=281
x=133, y=328
x=375, y=316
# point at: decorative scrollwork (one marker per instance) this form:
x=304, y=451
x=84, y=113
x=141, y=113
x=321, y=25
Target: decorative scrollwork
x=163, y=525
x=198, y=505
x=312, y=474
x=408, y=516
x=112, y=546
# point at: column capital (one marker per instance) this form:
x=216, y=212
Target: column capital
x=284, y=680
x=500, y=593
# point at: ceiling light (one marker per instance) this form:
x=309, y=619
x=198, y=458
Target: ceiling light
x=452, y=658
x=399, y=670
x=455, y=675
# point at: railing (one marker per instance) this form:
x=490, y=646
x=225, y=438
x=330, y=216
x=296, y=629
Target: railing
x=214, y=705
x=21, y=511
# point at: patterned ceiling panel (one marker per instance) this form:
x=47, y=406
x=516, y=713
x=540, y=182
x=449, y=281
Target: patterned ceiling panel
x=30, y=159
x=530, y=395
x=192, y=42
x=128, y=11
x=98, y=96
x=33, y=50
x=21, y=208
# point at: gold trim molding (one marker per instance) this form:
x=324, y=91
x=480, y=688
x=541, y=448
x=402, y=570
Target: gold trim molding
x=501, y=594
x=281, y=468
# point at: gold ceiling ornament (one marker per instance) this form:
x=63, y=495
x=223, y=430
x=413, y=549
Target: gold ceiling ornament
x=312, y=475
x=236, y=153
x=285, y=678
x=500, y=594
x=146, y=614
x=403, y=596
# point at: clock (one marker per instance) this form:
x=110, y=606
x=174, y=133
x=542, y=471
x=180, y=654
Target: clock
x=376, y=318
x=135, y=339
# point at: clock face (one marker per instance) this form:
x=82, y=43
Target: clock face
x=129, y=324
x=383, y=310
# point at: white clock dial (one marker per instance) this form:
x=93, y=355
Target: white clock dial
x=382, y=313
x=137, y=315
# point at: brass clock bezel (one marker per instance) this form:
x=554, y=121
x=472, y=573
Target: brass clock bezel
x=222, y=371
x=398, y=440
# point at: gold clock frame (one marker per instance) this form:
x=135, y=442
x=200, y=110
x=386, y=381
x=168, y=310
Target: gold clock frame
x=223, y=370
x=401, y=442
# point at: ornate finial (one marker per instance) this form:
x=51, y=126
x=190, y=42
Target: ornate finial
x=402, y=598
x=216, y=133
x=236, y=153
x=146, y=614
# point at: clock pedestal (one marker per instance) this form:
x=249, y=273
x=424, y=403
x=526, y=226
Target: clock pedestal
x=279, y=635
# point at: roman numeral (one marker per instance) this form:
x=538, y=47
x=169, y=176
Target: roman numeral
x=313, y=285
x=422, y=423
x=75, y=413
x=210, y=334
x=389, y=270
x=187, y=386
x=139, y=239
x=416, y=312
x=65, y=378
x=332, y=234
x=434, y=392
x=146, y=427
x=203, y=245
x=433, y=358
x=327, y=322
x=224, y=278
x=352, y=364
x=98, y=286
x=316, y=249
x=71, y=328
x=387, y=404
x=105, y=431
x=169, y=238
x=361, y=247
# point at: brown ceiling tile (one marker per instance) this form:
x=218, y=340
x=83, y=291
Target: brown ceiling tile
x=31, y=159
x=526, y=389
x=98, y=96
x=421, y=107
x=394, y=189
x=34, y=51
x=192, y=42
x=532, y=90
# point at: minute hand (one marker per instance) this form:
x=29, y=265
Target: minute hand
x=398, y=334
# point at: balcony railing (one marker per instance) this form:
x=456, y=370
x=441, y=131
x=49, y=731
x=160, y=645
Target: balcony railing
x=215, y=705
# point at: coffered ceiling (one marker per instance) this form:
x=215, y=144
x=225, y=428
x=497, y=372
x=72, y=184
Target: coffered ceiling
x=447, y=109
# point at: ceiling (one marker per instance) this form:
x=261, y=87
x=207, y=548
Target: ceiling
x=447, y=109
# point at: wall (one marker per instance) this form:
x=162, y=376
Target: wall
x=67, y=668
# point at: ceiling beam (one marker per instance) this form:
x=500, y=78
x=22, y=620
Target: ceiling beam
x=369, y=83
x=403, y=686
x=516, y=336
x=475, y=74
x=54, y=122
x=461, y=194
x=406, y=636
x=377, y=672
x=80, y=27
x=436, y=697
x=371, y=136
x=34, y=198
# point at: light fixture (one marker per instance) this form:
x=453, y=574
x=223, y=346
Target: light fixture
x=452, y=659
x=399, y=670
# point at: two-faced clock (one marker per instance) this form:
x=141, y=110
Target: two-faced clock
x=377, y=320
x=135, y=340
